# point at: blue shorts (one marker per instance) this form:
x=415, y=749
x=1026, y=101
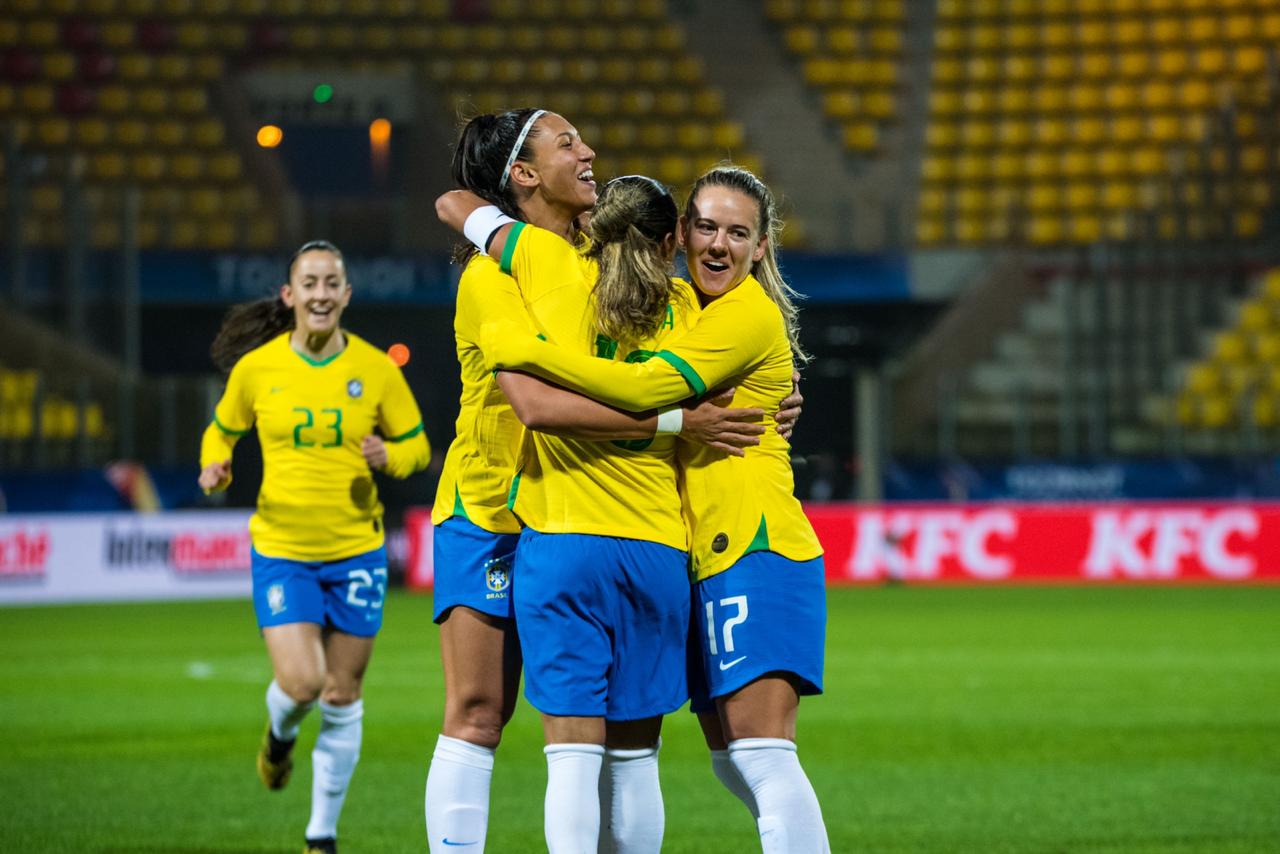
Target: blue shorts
x=472, y=568
x=603, y=625
x=764, y=614
x=346, y=594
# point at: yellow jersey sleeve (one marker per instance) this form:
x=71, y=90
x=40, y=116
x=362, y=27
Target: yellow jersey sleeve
x=401, y=424
x=232, y=418
x=489, y=441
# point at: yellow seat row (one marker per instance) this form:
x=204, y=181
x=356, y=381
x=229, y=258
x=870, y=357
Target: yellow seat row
x=170, y=232
x=1106, y=31
x=835, y=10
x=808, y=39
x=1190, y=95
x=616, y=71
x=1086, y=9
x=242, y=8
x=1099, y=65
x=675, y=103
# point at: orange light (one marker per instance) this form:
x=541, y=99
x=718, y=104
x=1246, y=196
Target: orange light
x=399, y=354
x=269, y=136
x=379, y=132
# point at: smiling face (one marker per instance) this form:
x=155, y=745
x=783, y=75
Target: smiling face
x=317, y=292
x=560, y=169
x=721, y=239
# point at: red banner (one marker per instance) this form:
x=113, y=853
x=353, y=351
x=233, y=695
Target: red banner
x=1018, y=543
x=1066, y=543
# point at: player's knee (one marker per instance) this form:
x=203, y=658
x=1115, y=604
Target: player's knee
x=302, y=687
x=478, y=720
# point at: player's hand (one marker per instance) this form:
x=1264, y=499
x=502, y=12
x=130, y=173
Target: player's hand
x=215, y=476
x=789, y=409
x=711, y=423
x=374, y=451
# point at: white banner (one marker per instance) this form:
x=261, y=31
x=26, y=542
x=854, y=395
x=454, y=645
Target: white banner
x=105, y=557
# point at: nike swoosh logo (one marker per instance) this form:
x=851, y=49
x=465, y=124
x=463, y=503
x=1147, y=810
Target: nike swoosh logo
x=448, y=842
x=725, y=665
x=276, y=388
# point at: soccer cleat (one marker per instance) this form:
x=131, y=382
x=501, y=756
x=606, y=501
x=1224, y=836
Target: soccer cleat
x=328, y=845
x=275, y=763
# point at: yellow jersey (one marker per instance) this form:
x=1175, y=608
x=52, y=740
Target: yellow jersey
x=489, y=440
x=617, y=489
x=734, y=505
x=317, y=501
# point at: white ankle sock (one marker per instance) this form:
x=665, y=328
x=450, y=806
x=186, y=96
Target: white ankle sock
x=790, y=819
x=285, y=713
x=571, y=814
x=722, y=767
x=333, y=761
x=457, y=800
x=632, y=818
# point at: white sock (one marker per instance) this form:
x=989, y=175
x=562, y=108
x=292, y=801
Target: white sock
x=571, y=814
x=790, y=819
x=457, y=802
x=285, y=713
x=333, y=761
x=722, y=767
x=631, y=812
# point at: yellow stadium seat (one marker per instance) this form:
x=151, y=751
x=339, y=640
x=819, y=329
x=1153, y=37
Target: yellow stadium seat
x=945, y=102
x=979, y=101
x=36, y=98
x=1015, y=133
x=1203, y=378
x=152, y=100
x=1055, y=34
x=1041, y=165
x=937, y=169
x=1119, y=195
x=1172, y=62
x=130, y=132
x=1081, y=196
x=1051, y=131
x=1007, y=166
x=933, y=200
x=1217, y=411
x=1121, y=96
x=1211, y=61
x=91, y=132
x=861, y=136
x=1247, y=223
x=979, y=134
x=1230, y=347
x=148, y=167
x=54, y=131
x=1085, y=228
x=1166, y=31
x=1129, y=31
x=225, y=166
x=1015, y=99
x=1148, y=160
x=1255, y=317
x=1043, y=197
x=973, y=167
x=1249, y=60
x=1266, y=410
x=1195, y=94
x=1044, y=230
x=1266, y=344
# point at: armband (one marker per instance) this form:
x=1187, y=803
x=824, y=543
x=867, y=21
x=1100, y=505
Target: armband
x=481, y=225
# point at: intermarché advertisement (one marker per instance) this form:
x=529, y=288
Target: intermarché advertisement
x=105, y=557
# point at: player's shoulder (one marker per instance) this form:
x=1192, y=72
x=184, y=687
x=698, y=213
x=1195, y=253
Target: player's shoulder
x=364, y=353
x=479, y=270
x=273, y=352
x=751, y=298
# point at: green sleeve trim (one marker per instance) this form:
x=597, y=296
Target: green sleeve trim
x=458, y=508
x=686, y=370
x=509, y=251
x=318, y=363
x=415, y=431
x=225, y=429
x=760, y=542
x=515, y=489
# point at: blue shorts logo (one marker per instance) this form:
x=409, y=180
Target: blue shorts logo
x=355, y=388
x=275, y=599
x=497, y=576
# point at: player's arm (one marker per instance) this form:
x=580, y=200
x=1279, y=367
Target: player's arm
x=548, y=408
x=405, y=448
x=479, y=221
x=232, y=418
x=722, y=346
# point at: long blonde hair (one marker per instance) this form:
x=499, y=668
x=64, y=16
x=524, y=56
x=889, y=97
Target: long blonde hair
x=765, y=270
x=632, y=219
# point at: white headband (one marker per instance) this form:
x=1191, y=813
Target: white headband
x=515, y=149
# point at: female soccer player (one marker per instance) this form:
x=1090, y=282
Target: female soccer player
x=316, y=393
x=534, y=167
x=759, y=605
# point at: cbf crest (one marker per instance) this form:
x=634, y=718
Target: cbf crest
x=497, y=576
x=355, y=388
x=275, y=598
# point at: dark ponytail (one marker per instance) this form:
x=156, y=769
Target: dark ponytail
x=481, y=156
x=249, y=325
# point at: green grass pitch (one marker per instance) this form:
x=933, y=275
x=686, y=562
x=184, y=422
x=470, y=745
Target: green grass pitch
x=956, y=720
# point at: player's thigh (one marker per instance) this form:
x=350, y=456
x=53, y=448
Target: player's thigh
x=481, y=657
x=297, y=658
x=355, y=591
x=346, y=659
